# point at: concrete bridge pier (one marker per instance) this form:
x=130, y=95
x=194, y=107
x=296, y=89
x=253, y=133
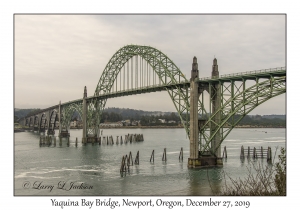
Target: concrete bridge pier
x=193, y=160
x=84, y=117
x=216, y=104
x=198, y=158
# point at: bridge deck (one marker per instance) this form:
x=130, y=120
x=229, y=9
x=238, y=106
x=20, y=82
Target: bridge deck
x=265, y=73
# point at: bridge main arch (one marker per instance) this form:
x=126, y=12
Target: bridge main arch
x=166, y=70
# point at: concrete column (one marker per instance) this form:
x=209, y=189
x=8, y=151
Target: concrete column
x=59, y=119
x=84, y=117
x=48, y=121
x=216, y=104
x=194, y=132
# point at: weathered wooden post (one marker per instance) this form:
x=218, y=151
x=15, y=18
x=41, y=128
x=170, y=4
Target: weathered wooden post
x=137, y=158
x=269, y=155
x=254, y=153
x=262, y=152
x=130, y=159
x=181, y=154
x=76, y=143
x=242, y=156
x=164, y=158
x=248, y=156
x=127, y=162
x=54, y=141
x=224, y=153
x=152, y=157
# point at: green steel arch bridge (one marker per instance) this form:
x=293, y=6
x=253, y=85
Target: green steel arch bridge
x=209, y=107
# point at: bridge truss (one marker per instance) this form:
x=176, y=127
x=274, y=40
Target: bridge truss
x=239, y=95
x=135, y=69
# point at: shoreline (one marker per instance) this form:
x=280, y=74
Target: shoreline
x=17, y=130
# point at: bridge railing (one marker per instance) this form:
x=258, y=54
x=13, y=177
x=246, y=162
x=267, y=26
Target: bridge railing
x=246, y=73
x=141, y=88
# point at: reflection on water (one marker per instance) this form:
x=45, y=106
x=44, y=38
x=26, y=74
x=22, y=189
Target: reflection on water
x=99, y=165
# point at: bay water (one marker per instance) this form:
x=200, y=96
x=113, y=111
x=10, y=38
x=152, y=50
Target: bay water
x=95, y=169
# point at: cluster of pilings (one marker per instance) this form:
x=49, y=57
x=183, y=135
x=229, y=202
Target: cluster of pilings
x=257, y=153
x=164, y=157
x=109, y=140
x=134, y=137
x=51, y=140
x=46, y=140
x=127, y=160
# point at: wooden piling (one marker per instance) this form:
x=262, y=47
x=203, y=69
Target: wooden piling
x=164, y=157
x=261, y=152
x=127, y=163
x=137, y=158
x=242, y=156
x=248, y=156
x=254, y=153
x=225, y=152
x=60, y=141
x=54, y=144
x=269, y=155
x=76, y=143
x=130, y=159
x=181, y=154
x=152, y=157
x=121, y=140
x=122, y=164
x=117, y=142
x=99, y=140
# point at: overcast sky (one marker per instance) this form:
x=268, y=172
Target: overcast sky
x=57, y=55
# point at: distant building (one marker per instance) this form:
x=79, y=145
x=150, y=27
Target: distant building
x=126, y=122
x=171, y=121
x=162, y=120
x=111, y=124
